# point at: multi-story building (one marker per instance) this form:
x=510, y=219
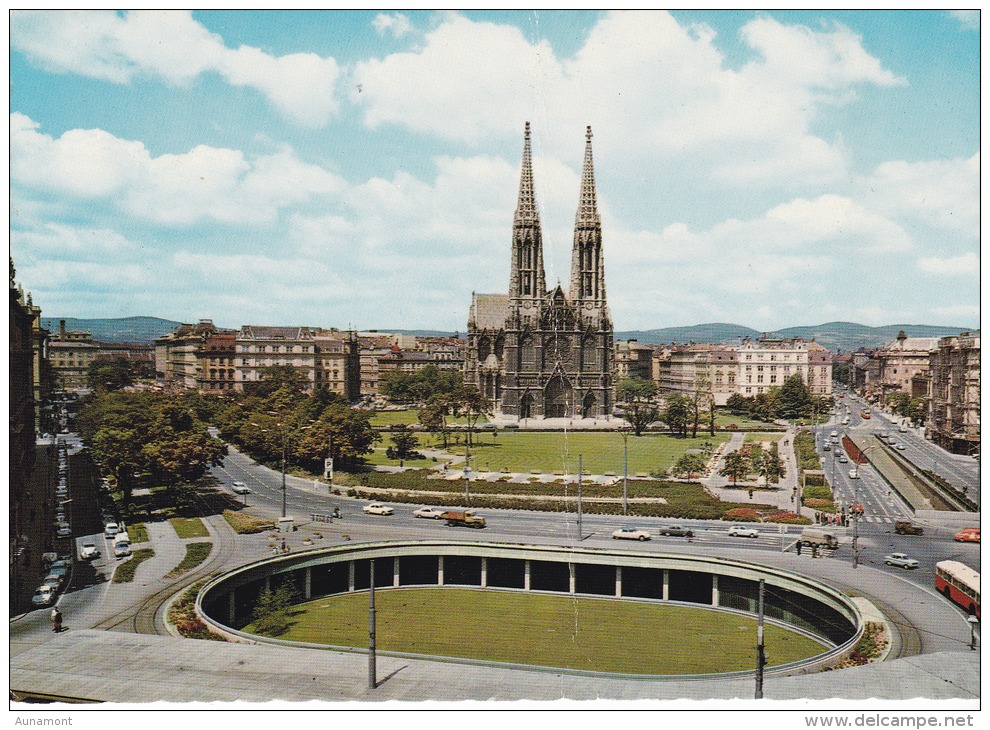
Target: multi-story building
x=196, y=357
x=539, y=353
x=750, y=368
x=954, y=408
x=633, y=360
x=70, y=354
x=338, y=363
x=899, y=361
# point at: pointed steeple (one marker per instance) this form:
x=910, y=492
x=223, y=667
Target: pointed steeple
x=587, y=266
x=528, y=279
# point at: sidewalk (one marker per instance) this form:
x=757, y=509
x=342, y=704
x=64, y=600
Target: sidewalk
x=779, y=496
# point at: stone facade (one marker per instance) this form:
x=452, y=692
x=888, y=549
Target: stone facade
x=954, y=409
x=899, y=361
x=539, y=353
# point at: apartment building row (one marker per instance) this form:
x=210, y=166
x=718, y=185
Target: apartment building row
x=204, y=357
x=945, y=371
x=748, y=368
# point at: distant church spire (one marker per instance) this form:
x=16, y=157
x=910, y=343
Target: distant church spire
x=587, y=266
x=528, y=279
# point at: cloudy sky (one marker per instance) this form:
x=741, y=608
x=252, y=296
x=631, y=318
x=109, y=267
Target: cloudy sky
x=359, y=168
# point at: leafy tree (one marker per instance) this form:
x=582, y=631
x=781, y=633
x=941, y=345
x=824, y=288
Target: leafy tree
x=106, y=376
x=795, y=398
x=766, y=405
x=419, y=386
x=270, y=614
x=840, y=372
x=677, y=413
x=738, y=405
x=639, y=403
x=702, y=401
x=689, y=465
x=735, y=466
x=469, y=402
x=433, y=416
x=404, y=443
x=275, y=378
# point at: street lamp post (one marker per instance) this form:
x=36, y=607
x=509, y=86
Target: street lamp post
x=858, y=513
x=625, y=471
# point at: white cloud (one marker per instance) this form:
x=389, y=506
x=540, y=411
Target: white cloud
x=397, y=24
x=171, y=46
x=968, y=264
x=968, y=19
x=68, y=241
x=206, y=183
x=941, y=193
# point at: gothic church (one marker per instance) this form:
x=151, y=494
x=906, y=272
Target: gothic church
x=536, y=353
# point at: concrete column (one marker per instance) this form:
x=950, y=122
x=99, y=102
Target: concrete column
x=350, y=576
x=715, y=589
x=618, y=581
x=666, y=584
x=440, y=570
x=268, y=582
x=526, y=576
x=308, y=590
x=231, y=608
x=484, y=572
x=573, y=571
x=395, y=572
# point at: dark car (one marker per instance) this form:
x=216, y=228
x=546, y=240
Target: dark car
x=674, y=531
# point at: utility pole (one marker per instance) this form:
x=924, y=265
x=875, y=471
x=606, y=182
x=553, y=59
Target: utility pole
x=467, y=471
x=372, y=674
x=580, y=537
x=761, y=658
x=625, y=472
x=283, y=469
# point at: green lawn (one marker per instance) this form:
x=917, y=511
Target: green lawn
x=189, y=527
x=550, y=451
x=540, y=630
x=723, y=419
x=196, y=553
x=758, y=437
x=394, y=418
x=137, y=532
x=125, y=571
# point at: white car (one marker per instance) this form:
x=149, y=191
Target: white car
x=375, y=508
x=631, y=533
x=240, y=488
x=44, y=596
x=433, y=513
x=901, y=561
x=88, y=551
x=899, y=447
x=740, y=531
x=854, y=473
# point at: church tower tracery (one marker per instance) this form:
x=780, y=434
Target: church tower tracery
x=554, y=354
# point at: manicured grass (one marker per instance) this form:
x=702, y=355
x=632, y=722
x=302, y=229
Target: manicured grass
x=137, y=532
x=550, y=451
x=196, y=553
x=540, y=630
x=125, y=571
x=378, y=457
x=246, y=524
x=189, y=527
x=723, y=419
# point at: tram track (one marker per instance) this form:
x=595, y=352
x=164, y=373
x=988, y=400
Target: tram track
x=148, y=615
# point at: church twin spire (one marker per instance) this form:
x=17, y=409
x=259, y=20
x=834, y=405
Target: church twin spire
x=528, y=278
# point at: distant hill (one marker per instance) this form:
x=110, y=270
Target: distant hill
x=133, y=330
x=835, y=336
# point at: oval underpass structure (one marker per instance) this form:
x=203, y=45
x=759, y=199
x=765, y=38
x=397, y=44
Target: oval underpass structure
x=705, y=584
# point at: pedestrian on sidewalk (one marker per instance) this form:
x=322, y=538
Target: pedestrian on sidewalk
x=56, y=620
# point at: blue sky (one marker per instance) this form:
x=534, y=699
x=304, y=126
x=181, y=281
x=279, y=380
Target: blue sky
x=360, y=168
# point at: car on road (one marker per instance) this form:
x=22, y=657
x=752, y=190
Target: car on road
x=843, y=459
x=44, y=596
x=88, y=551
x=969, y=534
x=240, y=488
x=376, y=508
x=110, y=529
x=430, y=513
x=899, y=447
x=64, y=531
x=901, y=560
x=675, y=531
x=631, y=533
x=741, y=531
x=827, y=447
x=854, y=473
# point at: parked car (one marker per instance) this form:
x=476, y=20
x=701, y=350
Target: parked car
x=843, y=459
x=88, y=551
x=827, y=447
x=376, y=508
x=854, y=473
x=675, y=531
x=53, y=581
x=63, y=531
x=899, y=447
x=432, y=513
x=110, y=529
x=741, y=531
x=901, y=560
x=44, y=596
x=631, y=533
x=240, y=488
x=969, y=534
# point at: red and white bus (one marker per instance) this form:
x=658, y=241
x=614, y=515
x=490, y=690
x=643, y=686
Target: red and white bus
x=960, y=584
